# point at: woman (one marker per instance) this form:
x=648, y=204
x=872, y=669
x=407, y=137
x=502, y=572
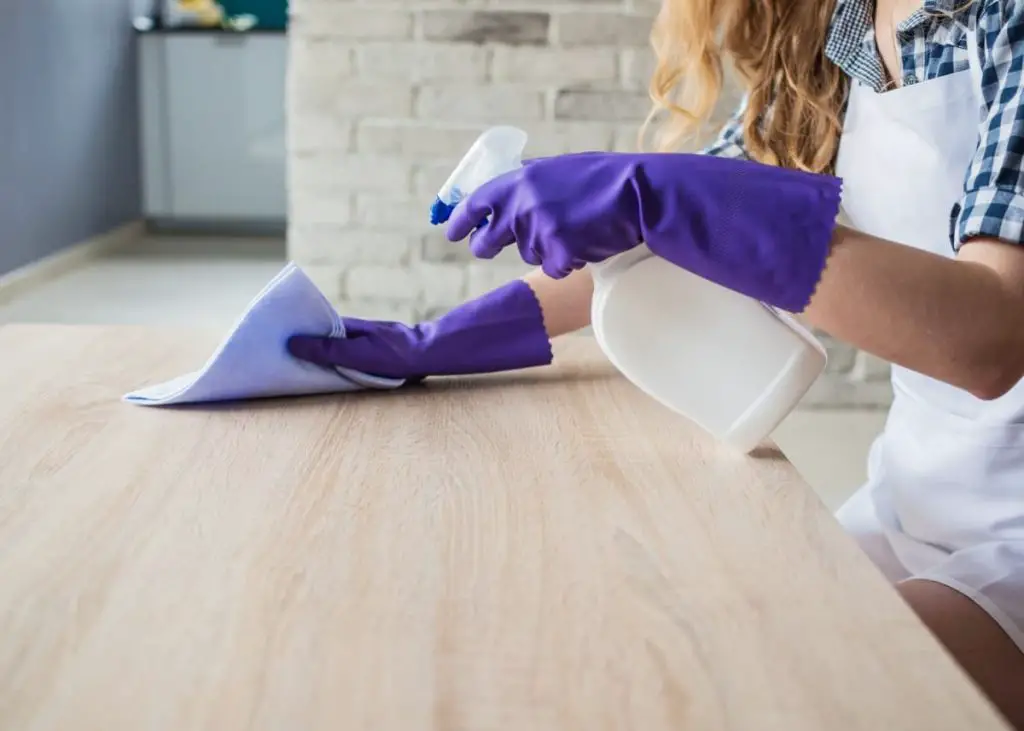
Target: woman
x=915, y=108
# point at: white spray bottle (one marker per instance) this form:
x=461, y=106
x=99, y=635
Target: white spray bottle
x=731, y=364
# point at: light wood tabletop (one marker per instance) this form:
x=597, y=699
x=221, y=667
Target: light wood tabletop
x=534, y=551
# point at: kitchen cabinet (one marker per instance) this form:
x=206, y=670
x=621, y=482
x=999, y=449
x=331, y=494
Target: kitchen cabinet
x=212, y=107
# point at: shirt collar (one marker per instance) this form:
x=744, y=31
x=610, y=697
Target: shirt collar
x=853, y=24
x=851, y=21
x=851, y=36
x=850, y=43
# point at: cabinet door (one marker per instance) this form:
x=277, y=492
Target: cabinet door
x=156, y=166
x=225, y=101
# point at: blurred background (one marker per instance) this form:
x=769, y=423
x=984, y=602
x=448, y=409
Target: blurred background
x=161, y=159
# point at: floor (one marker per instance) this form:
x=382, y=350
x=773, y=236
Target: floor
x=208, y=282
x=163, y=281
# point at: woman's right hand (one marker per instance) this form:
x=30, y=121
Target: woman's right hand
x=759, y=230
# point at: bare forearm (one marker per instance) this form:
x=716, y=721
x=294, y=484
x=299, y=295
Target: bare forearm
x=959, y=321
x=564, y=302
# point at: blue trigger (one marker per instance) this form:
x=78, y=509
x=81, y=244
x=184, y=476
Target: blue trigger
x=440, y=212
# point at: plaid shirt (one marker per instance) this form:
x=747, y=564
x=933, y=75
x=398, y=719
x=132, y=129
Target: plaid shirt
x=933, y=43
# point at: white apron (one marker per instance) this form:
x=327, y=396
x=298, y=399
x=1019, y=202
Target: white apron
x=944, y=499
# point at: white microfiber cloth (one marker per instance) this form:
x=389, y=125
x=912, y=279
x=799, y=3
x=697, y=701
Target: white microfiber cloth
x=253, y=361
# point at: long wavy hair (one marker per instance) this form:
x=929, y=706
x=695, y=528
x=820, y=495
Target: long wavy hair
x=775, y=48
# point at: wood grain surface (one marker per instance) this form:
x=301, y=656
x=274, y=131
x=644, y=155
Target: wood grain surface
x=543, y=550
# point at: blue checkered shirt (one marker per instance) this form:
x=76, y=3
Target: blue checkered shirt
x=933, y=43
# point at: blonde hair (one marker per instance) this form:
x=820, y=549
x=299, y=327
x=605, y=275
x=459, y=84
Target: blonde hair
x=776, y=48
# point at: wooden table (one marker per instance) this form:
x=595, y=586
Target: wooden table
x=537, y=551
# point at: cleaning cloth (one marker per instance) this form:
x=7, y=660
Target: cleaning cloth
x=253, y=361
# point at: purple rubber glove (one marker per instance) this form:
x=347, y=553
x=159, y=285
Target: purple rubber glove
x=760, y=230
x=501, y=331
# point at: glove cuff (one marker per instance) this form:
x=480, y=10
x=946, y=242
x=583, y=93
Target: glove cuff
x=502, y=330
x=756, y=229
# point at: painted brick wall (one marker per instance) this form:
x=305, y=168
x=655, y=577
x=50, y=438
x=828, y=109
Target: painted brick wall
x=386, y=95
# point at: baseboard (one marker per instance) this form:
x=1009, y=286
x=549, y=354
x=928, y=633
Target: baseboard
x=219, y=227
x=32, y=275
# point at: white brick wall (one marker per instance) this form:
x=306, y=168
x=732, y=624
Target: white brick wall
x=386, y=95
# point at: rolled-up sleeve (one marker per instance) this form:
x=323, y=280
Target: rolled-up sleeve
x=993, y=201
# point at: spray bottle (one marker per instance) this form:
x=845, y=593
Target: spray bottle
x=729, y=363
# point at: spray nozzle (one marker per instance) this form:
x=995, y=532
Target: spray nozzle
x=497, y=151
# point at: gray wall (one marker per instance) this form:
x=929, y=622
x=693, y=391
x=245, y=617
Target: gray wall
x=68, y=124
